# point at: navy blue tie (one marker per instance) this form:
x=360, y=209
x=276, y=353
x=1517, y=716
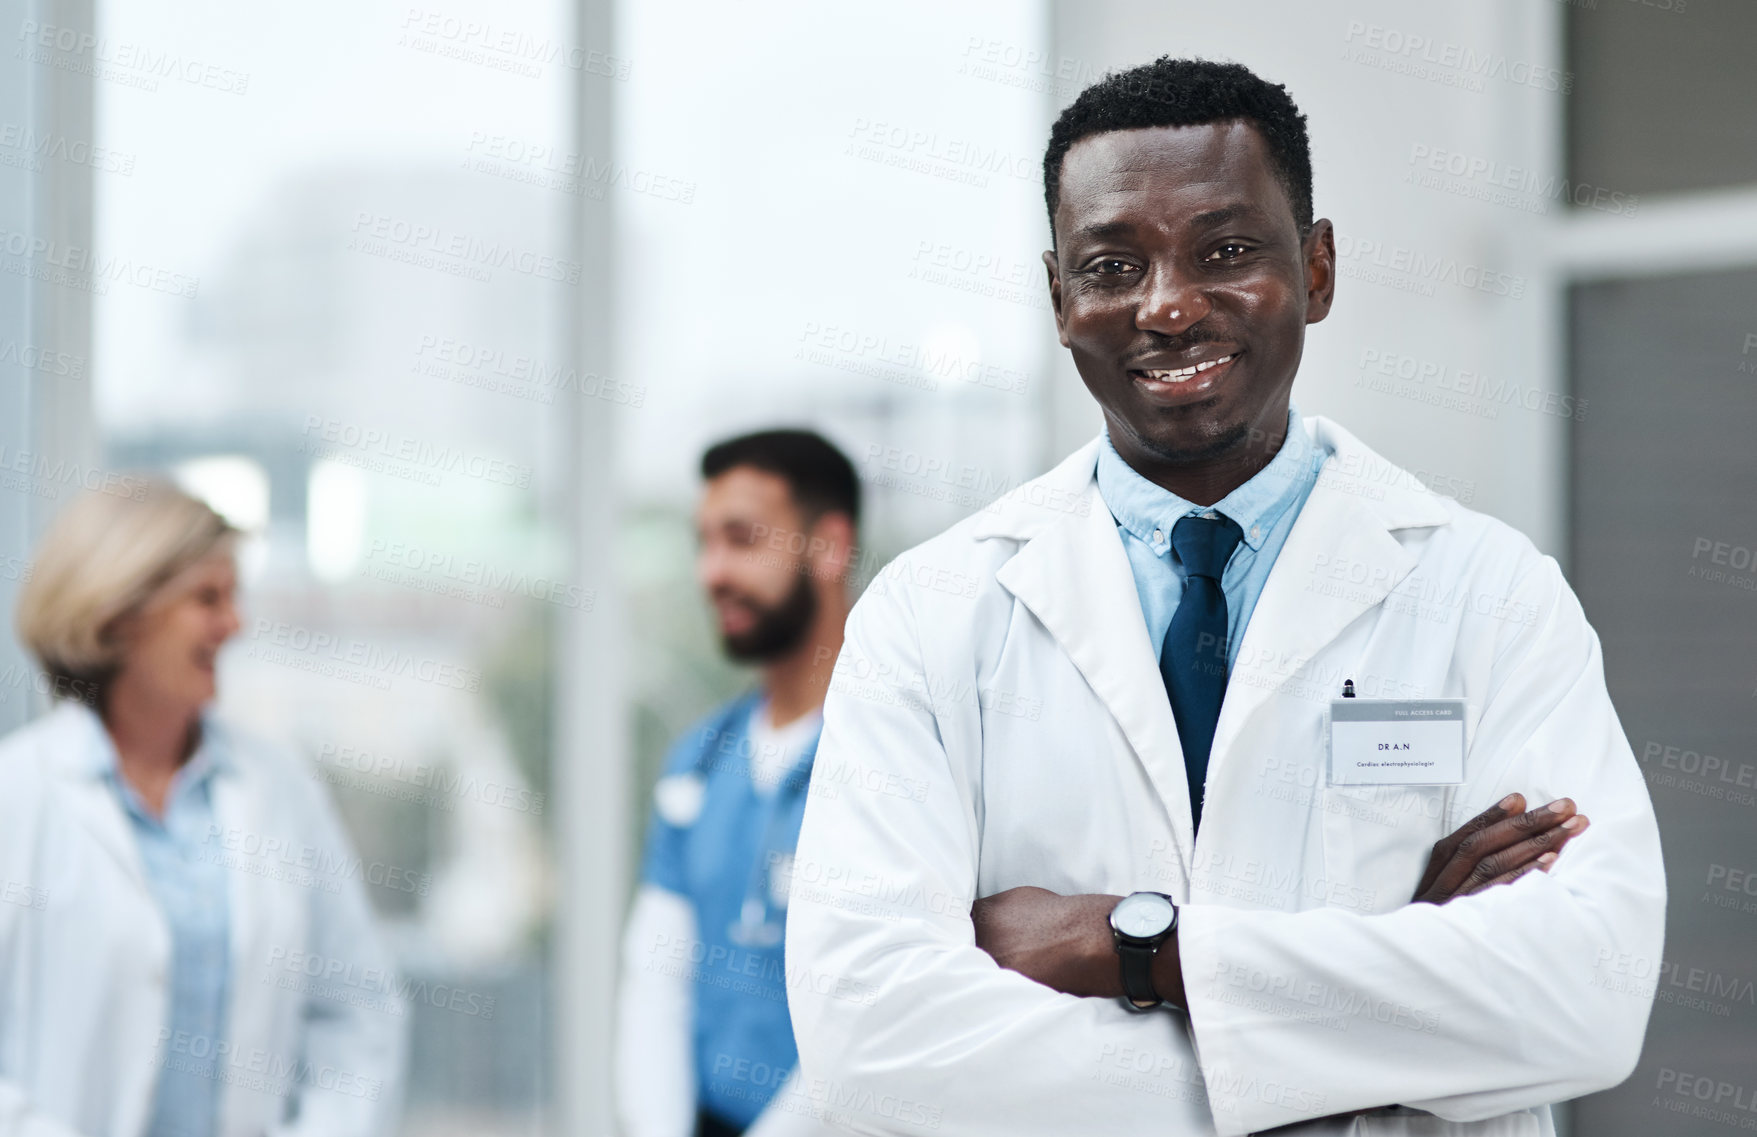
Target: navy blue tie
x=1193, y=659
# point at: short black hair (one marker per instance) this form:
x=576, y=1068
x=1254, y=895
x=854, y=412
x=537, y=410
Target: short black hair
x=820, y=477
x=1188, y=92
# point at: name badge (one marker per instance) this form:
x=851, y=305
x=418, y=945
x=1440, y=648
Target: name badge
x=1396, y=742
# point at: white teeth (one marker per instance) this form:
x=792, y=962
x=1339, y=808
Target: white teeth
x=1183, y=373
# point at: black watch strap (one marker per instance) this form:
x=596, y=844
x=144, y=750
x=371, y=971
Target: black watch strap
x=1137, y=969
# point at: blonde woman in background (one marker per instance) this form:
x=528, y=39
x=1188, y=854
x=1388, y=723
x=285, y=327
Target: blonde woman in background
x=188, y=950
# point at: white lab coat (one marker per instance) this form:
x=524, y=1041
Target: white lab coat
x=85, y=951
x=997, y=719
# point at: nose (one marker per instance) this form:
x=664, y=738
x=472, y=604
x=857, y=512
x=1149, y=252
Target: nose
x=1172, y=303
x=230, y=621
x=710, y=566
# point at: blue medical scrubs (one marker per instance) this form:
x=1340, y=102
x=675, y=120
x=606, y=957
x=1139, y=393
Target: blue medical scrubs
x=732, y=862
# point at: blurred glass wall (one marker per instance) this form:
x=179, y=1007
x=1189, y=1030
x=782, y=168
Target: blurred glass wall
x=855, y=249
x=351, y=342
x=353, y=339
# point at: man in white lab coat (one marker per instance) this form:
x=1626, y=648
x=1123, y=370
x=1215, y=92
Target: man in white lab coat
x=1162, y=876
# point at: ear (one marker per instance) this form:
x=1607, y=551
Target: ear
x=832, y=542
x=1055, y=294
x=1320, y=264
x=119, y=635
x=121, y=630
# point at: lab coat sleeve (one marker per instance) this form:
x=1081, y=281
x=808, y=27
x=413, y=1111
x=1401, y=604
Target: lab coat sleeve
x=655, y=1063
x=364, y=1044
x=1484, y=1005
x=903, y=1024
x=18, y=838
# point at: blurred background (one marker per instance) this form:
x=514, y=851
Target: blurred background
x=442, y=302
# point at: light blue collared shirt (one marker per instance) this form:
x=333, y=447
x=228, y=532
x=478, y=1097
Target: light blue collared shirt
x=1264, y=508
x=191, y=890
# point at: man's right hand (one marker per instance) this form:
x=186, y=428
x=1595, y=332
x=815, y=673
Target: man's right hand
x=1498, y=846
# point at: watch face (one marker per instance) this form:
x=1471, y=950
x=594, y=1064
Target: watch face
x=1142, y=915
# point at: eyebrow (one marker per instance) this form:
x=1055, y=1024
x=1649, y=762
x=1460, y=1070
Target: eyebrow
x=1105, y=230
x=1226, y=213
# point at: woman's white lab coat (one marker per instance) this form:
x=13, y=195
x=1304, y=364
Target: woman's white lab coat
x=997, y=718
x=85, y=951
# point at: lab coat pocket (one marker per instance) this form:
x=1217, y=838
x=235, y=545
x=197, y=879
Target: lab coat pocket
x=1377, y=840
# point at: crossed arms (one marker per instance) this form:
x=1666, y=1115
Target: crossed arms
x=1504, y=976
x=1064, y=942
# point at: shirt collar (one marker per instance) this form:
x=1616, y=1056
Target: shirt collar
x=1144, y=508
x=212, y=754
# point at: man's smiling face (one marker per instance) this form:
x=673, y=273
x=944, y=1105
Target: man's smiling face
x=1177, y=248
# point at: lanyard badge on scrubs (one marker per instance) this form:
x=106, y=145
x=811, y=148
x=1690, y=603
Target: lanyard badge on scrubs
x=761, y=917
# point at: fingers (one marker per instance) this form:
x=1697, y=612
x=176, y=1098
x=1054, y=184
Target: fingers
x=1510, y=831
x=1537, y=851
x=1507, y=807
x=1544, y=862
x=1462, y=869
x=1447, y=845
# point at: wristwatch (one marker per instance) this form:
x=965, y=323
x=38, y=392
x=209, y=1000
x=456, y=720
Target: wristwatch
x=1139, y=924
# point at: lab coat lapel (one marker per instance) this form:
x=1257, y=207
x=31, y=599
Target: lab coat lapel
x=95, y=804
x=1296, y=617
x=238, y=806
x=71, y=749
x=236, y=809
x=1075, y=578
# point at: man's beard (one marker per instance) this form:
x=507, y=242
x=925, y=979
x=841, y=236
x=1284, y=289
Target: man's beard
x=778, y=629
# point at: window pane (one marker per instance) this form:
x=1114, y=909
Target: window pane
x=1662, y=563
x=342, y=326
x=855, y=248
x=1665, y=97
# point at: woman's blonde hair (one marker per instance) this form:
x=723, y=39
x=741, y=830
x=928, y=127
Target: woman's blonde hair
x=102, y=560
